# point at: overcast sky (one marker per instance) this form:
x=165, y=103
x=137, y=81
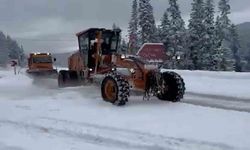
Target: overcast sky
x=50, y=25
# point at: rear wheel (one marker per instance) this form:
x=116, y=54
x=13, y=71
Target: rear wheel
x=115, y=89
x=172, y=87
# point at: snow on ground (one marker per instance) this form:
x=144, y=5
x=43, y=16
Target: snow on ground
x=37, y=115
x=229, y=84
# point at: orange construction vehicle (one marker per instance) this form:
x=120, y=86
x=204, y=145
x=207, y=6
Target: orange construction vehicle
x=41, y=64
x=98, y=55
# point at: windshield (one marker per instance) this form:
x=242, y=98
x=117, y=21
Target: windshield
x=42, y=60
x=109, y=41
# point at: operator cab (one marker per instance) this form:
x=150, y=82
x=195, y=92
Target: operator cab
x=95, y=53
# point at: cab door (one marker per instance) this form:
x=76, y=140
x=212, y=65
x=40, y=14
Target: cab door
x=84, y=45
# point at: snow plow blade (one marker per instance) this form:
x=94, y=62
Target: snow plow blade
x=44, y=73
x=69, y=79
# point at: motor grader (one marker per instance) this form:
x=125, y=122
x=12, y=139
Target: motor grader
x=41, y=65
x=98, y=55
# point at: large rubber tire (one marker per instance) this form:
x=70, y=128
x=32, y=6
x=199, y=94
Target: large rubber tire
x=115, y=89
x=174, y=87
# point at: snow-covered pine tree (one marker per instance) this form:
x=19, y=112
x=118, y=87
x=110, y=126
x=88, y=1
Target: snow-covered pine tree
x=209, y=43
x=222, y=21
x=163, y=34
x=224, y=53
x=164, y=29
x=197, y=34
x=217, y=53
x=154, y=35
x=124, y=46
x=228, y=61
x=177, y=35
x=147, y=25
x=133, y=29
x=3, y=49
x=15, y=52
x=235, y=46
x=224, y=9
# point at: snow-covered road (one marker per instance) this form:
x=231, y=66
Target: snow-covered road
x=106, y=136
x=45, y=117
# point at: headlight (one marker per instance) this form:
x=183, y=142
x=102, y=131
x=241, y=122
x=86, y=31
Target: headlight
x=178, y=57
x=123, y=57
x=132, y=70
x=90, y=69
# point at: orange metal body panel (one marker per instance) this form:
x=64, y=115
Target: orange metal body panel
x=137, y=79
x=75, y=62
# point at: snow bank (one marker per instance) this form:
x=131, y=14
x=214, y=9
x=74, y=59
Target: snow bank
x=230, y=84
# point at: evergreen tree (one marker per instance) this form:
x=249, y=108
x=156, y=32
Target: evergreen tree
x=223, y=22
x=224, y=9
x=124, y=47
x=197, y=34
x=177, y=34
x=164, y=29
x=3, y=49
x=13, y=48
x=146, y=22
x=217, y=53
x=163, y=34
x=224, y=53
x=133, y=29
x=235, y=46
x=228, y=61
x=9, y=49
x=209, y=44
x=15, y=52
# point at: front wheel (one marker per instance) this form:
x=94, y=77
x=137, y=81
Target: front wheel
x=115, y=89
x=172, y=87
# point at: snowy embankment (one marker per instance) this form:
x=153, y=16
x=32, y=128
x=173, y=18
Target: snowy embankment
x=37, y=115
x=228, y=84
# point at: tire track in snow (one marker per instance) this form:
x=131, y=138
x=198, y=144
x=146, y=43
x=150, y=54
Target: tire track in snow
x=112, y=137
x=220, y=102
x=219, y=97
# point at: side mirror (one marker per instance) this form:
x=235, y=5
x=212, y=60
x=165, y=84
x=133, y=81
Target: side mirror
x=54, y=59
